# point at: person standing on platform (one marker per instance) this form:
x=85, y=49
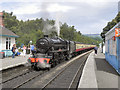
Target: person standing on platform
x=32, y=47
x=13, y=50
x=95, y=48
x=24, y=50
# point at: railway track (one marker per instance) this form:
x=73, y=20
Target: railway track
x=7, y=78
x=27, y=72
x=71, y=80
x=25, y=78
x=21, y=79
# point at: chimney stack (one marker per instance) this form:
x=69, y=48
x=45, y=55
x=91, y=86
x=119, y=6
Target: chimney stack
x=1, y=19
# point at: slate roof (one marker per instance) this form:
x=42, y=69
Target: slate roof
x=5, y=32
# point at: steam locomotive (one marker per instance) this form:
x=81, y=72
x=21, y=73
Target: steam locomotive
x=52, y=51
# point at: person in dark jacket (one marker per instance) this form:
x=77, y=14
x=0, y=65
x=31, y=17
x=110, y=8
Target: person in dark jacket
x=13, y=50
x=95, y=48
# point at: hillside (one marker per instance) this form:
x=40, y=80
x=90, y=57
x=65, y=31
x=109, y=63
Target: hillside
x=93, y=35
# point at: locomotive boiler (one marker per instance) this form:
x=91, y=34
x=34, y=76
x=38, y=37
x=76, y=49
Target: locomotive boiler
x=46, y=45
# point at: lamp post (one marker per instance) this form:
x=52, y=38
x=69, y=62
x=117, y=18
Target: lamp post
x=30, y=47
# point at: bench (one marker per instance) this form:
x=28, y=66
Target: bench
x=7, y=53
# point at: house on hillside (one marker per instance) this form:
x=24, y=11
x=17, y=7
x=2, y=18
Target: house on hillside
x=7, y=37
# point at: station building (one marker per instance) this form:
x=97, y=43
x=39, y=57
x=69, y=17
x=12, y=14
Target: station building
x=112, y=47
x=7, y=37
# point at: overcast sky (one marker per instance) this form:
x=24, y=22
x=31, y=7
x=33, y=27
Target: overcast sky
x=88, y=16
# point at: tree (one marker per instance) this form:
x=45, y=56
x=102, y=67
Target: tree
x=110, y=25
x=33, y=30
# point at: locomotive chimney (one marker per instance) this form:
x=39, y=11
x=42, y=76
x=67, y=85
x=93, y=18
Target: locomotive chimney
x=45, y=35
x=1, y=19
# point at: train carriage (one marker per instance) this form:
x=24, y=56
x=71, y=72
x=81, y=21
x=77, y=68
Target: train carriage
x=112, y=47
x=82, y=47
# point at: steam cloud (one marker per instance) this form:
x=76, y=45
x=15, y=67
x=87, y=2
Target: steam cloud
x=47, y=29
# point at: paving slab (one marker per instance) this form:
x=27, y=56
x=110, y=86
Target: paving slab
x=88, y=78
x=10, y=62
x=107, y=77
x=99, y=74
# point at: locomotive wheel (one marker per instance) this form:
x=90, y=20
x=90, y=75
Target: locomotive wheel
x=37, y=68
x=68, y=57
x=32, y=66
x=48, y=69
x=51, y=65
x=59, y=61
x=54, y=64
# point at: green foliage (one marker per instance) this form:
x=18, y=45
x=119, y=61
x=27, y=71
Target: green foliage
x=33, y=30
x=67, y=32
x=110, y=25
x=70, y=33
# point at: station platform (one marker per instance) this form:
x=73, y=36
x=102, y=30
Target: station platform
x=99, y=74
x=10, y=62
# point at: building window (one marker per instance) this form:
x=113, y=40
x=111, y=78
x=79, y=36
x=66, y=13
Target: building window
x=8, y=43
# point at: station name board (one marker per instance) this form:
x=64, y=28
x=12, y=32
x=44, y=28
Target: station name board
x=117, y=32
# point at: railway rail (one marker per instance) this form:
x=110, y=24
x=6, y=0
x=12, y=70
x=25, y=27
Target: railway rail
x=30, y=74
x=27, y=77
x=21, y=79
x=6, y=74
x=76, y=67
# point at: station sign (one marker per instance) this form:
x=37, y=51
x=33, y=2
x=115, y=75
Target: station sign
x=117, y=32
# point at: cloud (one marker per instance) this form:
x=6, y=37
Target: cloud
x=59, y=1
x=27, y=9
x=92, y=28
x=91, y=19
x=88, y=16
x=58, y=8
x=20, y=8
